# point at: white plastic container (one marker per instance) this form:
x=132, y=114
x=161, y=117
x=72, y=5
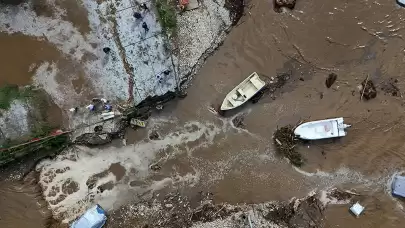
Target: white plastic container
x=357, y=209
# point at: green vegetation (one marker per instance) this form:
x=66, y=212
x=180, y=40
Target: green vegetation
x=52, y=145
x=167, y=16
x=9, y=93
x=41, y=129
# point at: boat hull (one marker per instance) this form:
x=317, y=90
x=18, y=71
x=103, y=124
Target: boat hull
x=321, y=129
x=243, y=92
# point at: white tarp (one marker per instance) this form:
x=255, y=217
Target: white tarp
x=95, y=217
x=398, y=186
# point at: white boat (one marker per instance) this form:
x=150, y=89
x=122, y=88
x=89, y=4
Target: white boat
x=321, y=129
x=243, y=92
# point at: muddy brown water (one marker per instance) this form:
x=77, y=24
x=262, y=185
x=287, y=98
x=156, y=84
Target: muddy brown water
x=350, y=38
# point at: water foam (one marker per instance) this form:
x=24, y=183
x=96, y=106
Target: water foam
x=78, y=164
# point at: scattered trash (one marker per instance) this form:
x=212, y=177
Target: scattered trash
x=98, y=128
x=357, y=209
x=322, y=129
x=285, y=142
x=368, y=90
x=155, y=167
x=145, y=27
x=137, y=16
x=390, y=87
x=154, y=135
x=103, y=100
x=95, y=217
x=183, y=4
x=137, y=122
x=90, y=107
x=330, y=80
x=250, y=222
x=107, y=115
x=144, y=6
x=398, y=186
x=74, y=110
x=238, y=121
x=212, y=110
x=159, y=107
x=341, y=195
x=106, y=50
x=108, y=107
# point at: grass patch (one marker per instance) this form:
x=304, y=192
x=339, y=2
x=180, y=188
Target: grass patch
x=9, y=93
x=167, y=16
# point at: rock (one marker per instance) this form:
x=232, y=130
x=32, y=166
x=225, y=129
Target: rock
x=330, y=80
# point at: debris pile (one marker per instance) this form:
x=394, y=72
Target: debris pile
x=330, y=80
x=237, y=121
x=272, y=85
x=390, y=87
x=176, y=210
x=298, y=213
x=368, y=90
x=285, y=142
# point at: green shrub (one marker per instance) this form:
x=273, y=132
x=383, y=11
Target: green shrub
x=167, y=16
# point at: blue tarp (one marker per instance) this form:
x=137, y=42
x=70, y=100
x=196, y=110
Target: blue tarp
x=398, y=186
x=94, y=217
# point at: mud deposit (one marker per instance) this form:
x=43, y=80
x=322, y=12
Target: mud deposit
x=197, y=150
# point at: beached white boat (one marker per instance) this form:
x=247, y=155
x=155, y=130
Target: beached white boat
x=321, y=129
x=243, y=92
